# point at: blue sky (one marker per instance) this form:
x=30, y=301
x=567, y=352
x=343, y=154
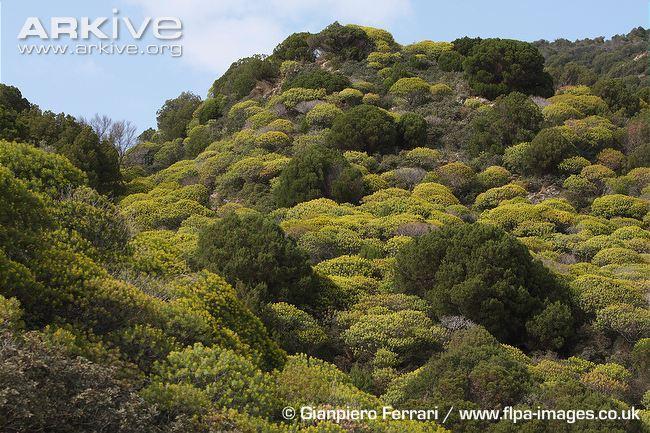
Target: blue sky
x=218, y=32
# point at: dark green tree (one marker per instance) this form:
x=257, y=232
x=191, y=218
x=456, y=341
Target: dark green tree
x=98, y=159
x=252, y=250
x=547, y=150
x=11, y=97
x=498, y=66
x=210, y=109
x=317, y=78
x=513, y=119
x=465, y=45
x=295, y=47
x=618, y=95
x=412, y=129
x=451, y=61
x=241, y=77
x=474, y=371
x=344, y=42
x=482, y=273
x=175, y=114
x=12, y=104
x=366, y=128
x=318, y=171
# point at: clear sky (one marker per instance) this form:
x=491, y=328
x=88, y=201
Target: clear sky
x=218, y=32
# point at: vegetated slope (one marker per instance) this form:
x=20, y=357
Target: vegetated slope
x=346, y=223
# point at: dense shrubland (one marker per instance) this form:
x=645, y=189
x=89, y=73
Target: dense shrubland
x=346, y=222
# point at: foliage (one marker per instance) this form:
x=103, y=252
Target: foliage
x=318, y=172
x=59, y=393
x=412, y=129
x=613, y=205
x=344, y=42
x=513, y=119
x=252, y=250
x=323, y=115
x=317, y=78
x=242, y=75
x=98, y=159
x=547, y=150
x=617, y=95
x=334, y=191
x=294, y=329
x=42, y=171
x=481, y=273
x=175, y=114
x=229, y=380
x=414, y=90
x=365, y=128
x=294, y=47
x=498, y=66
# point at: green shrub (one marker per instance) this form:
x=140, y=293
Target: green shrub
x=371, y=99
x=405, y=332
x=573, y=165
x=294, y=96
x=349, y=97
x=197, y=140
x=273, y=140
x=159, y=252
x=492, y=197
x=586, y=105
x=315, y=172
x=474, y=360
x=519, y=64
x=617, y=95
x=42, y=171
x=365, y=128
x=242, y=75
x=515, y=158
x=175, y=115
x=317, y=78
x=432, y=50
x=210, y=109
x=440, y=91
x=609, y=206
x=344, y=42
x=435, y=193
x=228, y=379
x=422, y=157
x=412, y=130
x=321, y=383
x=632, y=323
x=414, y=90
x=514, y=118
x=556, y=114
x=95, y=218
x=493, y=176
x=469, y=270
x=253, y=250
x=295, y=330
x=608, y=256
x=579, y=190
x=611, y=158
x=323, y=115
x=451, y=61
x=596, y=292
x=457, y=176
x=547, y=150
x=295, y=47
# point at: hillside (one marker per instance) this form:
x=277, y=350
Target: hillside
x=345, y=223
